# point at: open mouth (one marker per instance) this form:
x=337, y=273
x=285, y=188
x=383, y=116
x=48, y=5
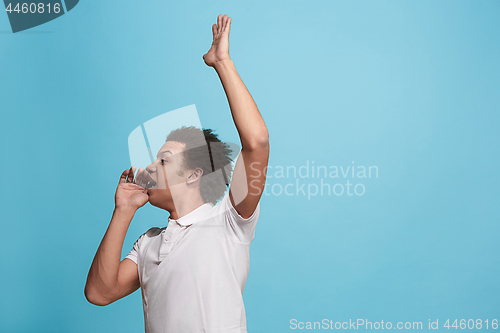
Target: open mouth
x=150, y=184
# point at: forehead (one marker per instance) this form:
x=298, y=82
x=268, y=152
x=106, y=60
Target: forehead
x=173, y=147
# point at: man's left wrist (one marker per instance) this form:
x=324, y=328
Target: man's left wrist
x=221, y=64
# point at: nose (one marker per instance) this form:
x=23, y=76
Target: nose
x=151, y=168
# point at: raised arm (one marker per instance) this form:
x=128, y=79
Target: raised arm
x=108, y=278
x=249, y=176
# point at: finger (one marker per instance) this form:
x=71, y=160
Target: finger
x=123, y=177
x=228, y=25
x=214, y=30
x=145, y=179
x=138, y=178
x=130, y=178
x=224, y=22
x=129, y=175
x=225, y=25
x=219, y=23
x=142, y=178
x=143, y=182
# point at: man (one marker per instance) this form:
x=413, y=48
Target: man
x=193, y=272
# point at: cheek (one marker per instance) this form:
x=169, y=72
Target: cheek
x=161, y=176
x=169, y=176
x=164, y=173
x=165, y=178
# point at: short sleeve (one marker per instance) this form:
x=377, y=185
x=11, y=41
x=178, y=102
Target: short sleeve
x=134, y=253
x=244, y=229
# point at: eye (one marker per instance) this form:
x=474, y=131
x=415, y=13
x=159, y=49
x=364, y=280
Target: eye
x=163, y=161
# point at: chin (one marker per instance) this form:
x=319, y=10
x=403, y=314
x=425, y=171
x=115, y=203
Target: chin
x=153, y=195
x=158, y=197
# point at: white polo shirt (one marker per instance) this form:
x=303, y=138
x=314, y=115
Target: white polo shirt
x=193, y=272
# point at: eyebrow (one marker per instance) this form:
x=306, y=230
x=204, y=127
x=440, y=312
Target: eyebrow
x=163, y=152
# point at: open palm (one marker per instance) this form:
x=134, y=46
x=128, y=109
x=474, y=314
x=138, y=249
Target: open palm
x=220, y=45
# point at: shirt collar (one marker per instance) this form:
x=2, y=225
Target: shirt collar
x=194, y=216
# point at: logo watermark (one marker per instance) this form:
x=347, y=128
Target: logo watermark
x=147, y=142
x=360, y=324
x=25, y=15
x=312, y=180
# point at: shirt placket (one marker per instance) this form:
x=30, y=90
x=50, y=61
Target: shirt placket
x=171, y=234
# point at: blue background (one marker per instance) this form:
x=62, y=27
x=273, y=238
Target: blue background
x=410, y=87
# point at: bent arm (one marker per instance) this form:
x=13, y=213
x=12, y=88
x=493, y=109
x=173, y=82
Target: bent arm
x=247, y=118
x=249, y=175
x=109, y=279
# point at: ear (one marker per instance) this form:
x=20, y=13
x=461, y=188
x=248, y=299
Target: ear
x=194, y=176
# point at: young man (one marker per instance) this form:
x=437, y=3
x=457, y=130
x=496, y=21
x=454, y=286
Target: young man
x=192, y=273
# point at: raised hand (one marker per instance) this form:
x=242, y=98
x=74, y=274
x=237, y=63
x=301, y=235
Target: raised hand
x=131, y=193
x=220, y=45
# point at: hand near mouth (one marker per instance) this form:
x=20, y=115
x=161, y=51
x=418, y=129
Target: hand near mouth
x=130, y=193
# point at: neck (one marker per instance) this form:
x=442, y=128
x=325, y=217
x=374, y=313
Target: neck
x=184, y=205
